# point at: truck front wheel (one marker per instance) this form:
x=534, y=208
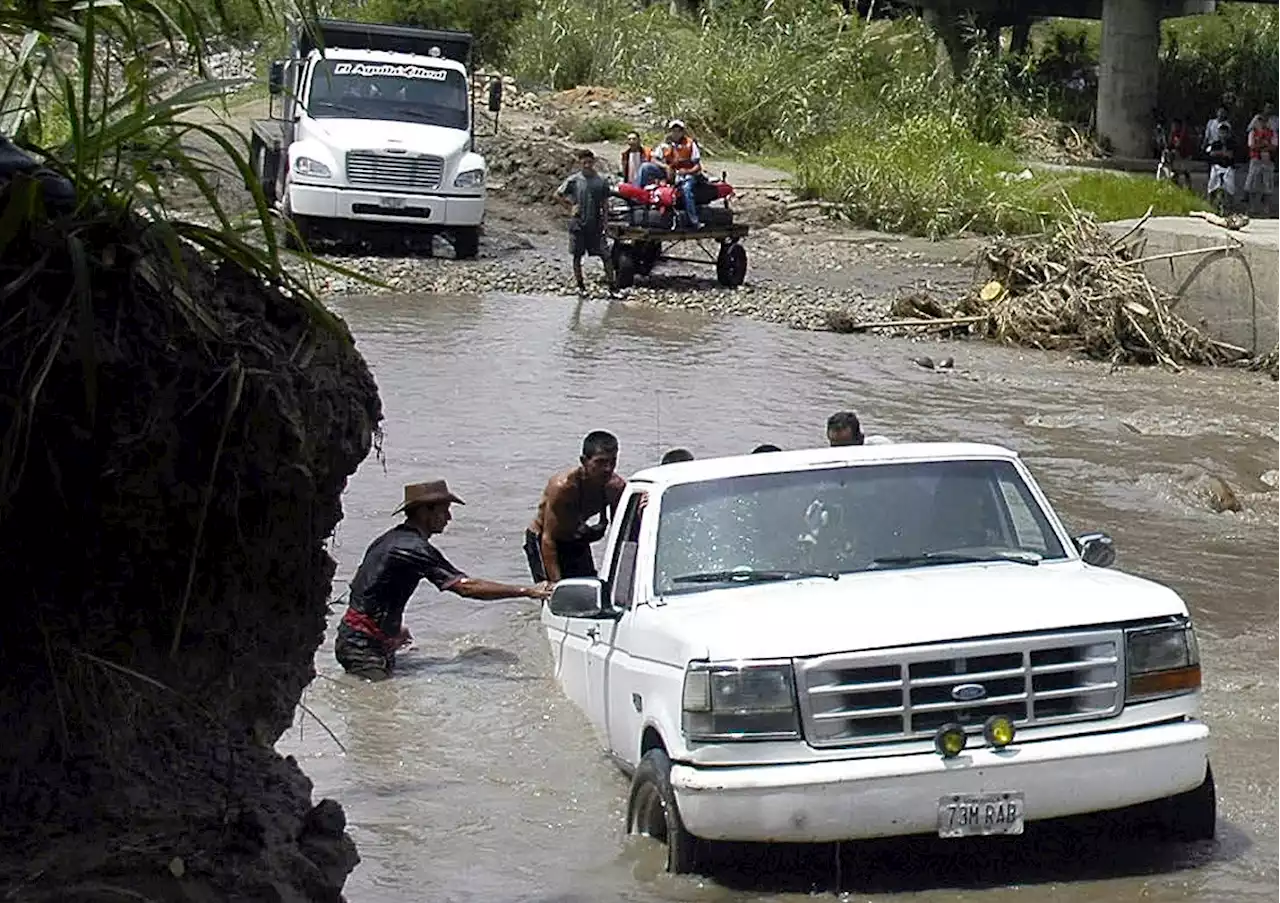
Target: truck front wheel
x=652, y=812
x=466, y=243
x=1193, y=815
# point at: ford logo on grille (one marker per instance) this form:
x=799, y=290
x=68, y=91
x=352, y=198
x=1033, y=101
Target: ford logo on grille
x=968, y=692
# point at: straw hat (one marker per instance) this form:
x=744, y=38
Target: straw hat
x=432, y=492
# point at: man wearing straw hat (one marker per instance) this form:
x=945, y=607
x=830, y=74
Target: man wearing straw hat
x=373, y=629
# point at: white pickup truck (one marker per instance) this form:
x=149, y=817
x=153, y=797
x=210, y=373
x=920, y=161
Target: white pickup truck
x=874, y=641
x=374, y=134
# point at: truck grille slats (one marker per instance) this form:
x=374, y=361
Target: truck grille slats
x=908, y=693
x=377, y=169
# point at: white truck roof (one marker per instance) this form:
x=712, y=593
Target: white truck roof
x=699, y=470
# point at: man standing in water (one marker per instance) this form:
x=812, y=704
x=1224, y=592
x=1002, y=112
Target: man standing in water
x=558, y=542
x=586, y=193
x=372, y=630
x=844, y=428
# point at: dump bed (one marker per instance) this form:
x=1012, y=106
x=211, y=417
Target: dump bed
x=453, y=45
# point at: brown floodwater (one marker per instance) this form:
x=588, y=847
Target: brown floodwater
x=469, y=777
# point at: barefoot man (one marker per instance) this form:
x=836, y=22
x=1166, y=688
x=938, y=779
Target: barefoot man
x=558, y=542
x=373, y=627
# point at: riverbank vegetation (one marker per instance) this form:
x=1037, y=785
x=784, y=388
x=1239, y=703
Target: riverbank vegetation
x=873, y=121
x=865, y=113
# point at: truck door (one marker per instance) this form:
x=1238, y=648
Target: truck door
x=618, y=574
x=623, y=681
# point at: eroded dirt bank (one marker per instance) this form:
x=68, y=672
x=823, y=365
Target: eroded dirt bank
x=174, y=454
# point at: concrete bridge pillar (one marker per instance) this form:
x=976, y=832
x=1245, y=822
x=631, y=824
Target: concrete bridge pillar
x=1127, y=75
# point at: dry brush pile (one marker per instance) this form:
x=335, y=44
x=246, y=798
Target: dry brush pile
x=1078, y=289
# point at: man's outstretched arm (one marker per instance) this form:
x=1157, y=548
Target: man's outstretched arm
x=491, y=590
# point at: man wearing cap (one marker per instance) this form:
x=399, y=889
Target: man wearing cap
x=683, y=160
x=373, y=629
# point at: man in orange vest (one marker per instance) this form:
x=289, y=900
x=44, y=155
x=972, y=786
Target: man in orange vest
x=680, y=154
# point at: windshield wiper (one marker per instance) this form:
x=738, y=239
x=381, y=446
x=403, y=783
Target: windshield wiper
x=929, y=558
x=333, y=105
x=751, y=576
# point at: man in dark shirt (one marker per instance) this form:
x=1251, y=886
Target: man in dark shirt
x=587, y=195
x=373, y=627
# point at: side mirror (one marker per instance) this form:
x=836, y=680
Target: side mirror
x=495, y=95
x=275, y=77
x=578, y=597
x=1096, y=549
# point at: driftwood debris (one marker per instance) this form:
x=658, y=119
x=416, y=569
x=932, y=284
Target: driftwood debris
x=1076, y=289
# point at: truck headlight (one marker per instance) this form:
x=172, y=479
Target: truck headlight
x=306, y=166
x=472, y=178
x=1162, y=661
x=755, y=701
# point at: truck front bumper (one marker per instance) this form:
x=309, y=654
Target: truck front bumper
x=327, y=202
x=899, y=795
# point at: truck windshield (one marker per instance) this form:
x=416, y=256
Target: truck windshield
x=848, y=519
x=433, y=95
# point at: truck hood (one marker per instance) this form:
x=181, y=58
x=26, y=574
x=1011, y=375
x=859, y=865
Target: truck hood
x=899, y=608
x=343, y=135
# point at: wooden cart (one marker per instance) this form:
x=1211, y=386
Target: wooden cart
x=636, y=250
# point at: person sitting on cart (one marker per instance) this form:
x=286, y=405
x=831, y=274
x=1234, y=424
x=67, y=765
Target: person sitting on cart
x=683, y=160
x=586, y=193
x=638, y=168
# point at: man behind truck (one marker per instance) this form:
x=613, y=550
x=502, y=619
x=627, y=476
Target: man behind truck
x=558, y=542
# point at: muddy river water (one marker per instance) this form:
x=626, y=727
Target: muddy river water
x=469, y=778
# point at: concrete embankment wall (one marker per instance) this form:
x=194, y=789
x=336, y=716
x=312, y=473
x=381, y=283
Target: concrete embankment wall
x=1230, y=294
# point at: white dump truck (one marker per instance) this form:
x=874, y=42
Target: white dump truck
x=372, y=132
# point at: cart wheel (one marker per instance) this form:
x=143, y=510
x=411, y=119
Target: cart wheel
x=647, y=256
x=624, y=267
x=731, y=265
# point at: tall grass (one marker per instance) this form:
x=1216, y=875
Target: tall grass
x=927, y=175
x=754, y=82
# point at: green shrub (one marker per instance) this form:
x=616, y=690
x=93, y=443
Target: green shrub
x=491, y=22
x=595, y=129
x=928, y=176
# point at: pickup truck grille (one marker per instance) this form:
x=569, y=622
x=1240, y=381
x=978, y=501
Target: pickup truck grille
x=908, y=693
x=378, y=169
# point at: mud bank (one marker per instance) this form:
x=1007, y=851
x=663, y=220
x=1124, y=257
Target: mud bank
x=176, y=443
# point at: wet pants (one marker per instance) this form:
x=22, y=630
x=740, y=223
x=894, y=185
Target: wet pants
x=574, y=558
x=362, y=654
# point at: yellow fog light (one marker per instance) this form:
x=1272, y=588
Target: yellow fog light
x=950, y=740
x=998, y=731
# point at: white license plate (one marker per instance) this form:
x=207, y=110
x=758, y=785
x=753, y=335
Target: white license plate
x=980, y=814
x=392, y=203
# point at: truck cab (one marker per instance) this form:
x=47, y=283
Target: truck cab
x=372, y=130
x=848, y=643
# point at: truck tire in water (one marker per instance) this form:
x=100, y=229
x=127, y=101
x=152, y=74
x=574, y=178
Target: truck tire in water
x=652, y=812
x=1193, y=815
x=466, y=243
